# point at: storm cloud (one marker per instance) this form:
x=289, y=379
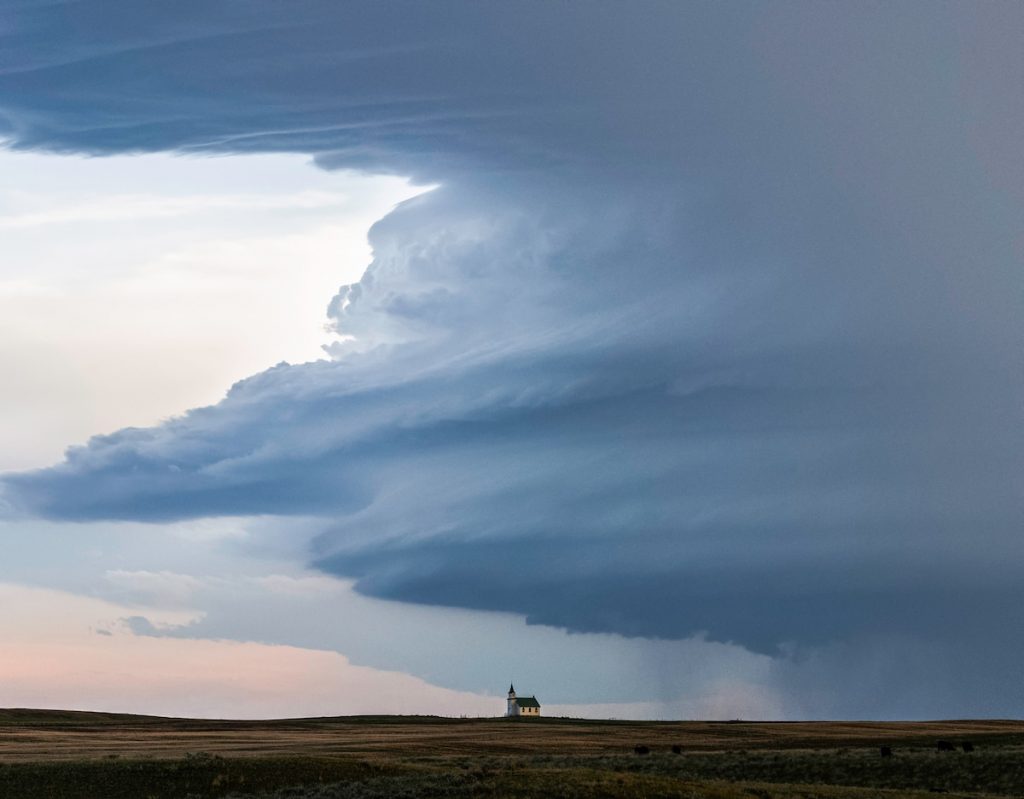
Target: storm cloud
x=713, y=324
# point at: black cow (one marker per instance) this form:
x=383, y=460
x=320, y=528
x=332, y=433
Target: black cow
x=678, y=750
x=967, y=746
x=885, y=751
x=640, y=749
x=945, y=746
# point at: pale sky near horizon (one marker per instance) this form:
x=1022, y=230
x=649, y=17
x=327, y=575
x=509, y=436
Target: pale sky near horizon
x=136, y=287
x=663, y=359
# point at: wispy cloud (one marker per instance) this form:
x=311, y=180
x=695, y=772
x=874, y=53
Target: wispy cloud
x=127, y=208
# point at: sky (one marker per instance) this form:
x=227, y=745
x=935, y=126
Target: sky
x=664, y=359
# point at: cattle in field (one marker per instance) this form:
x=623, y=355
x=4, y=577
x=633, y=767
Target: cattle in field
x=640, y=749
x=885, y=751
x=967, y=746
x=677, y=749
x=945, y=746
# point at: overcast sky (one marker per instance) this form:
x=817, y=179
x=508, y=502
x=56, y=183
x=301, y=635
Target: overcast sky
x=663, y=358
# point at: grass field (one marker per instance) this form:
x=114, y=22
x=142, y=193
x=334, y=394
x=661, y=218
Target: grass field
x=69, y=755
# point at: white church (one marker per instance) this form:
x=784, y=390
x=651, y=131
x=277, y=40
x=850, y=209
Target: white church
x=521, y=705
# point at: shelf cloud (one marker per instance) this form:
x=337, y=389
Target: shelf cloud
x=711, y=323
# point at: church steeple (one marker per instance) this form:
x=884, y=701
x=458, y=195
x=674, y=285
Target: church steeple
x=527, y=706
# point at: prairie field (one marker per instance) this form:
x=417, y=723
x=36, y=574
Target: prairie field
x=75, y=755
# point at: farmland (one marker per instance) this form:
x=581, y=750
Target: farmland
x=75, y=755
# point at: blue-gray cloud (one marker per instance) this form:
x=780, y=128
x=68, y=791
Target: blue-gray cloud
x=713, y=326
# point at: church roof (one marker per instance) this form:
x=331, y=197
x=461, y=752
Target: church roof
x=527, y=701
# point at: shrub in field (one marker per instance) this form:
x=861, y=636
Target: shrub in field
x=996, y=770
x=201, y=775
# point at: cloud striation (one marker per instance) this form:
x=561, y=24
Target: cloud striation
x=713, y=325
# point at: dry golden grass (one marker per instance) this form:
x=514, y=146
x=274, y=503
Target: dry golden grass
x=33, y=735
x=45, y=754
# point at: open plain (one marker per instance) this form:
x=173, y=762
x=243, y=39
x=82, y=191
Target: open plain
x=76, y=755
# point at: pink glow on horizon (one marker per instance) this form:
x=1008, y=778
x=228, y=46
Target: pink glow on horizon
x=55, y=657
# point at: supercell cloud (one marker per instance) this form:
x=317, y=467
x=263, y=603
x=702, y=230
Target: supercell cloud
x=713, y=325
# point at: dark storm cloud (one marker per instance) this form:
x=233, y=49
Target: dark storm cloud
x=714, y=326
